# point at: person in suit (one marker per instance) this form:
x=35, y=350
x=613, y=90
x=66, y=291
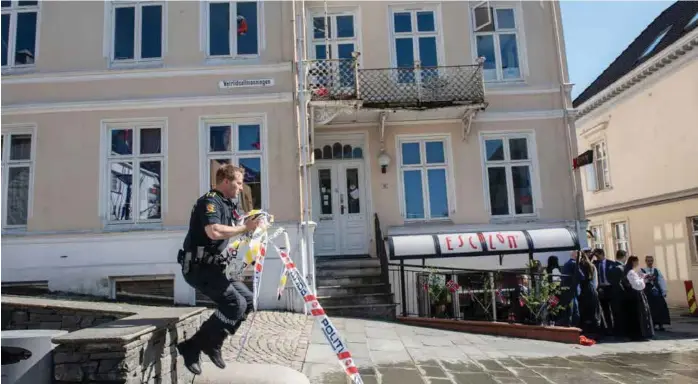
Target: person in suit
x=603, y=266
x=615, y=277
x=571, y=276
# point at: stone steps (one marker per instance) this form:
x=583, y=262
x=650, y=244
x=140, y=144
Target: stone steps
x=347, y=263
x=347, y=271
x=347, y=280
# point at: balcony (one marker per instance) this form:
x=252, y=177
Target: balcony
x=411, y=88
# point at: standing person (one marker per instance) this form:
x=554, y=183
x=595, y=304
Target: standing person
x=638, y=320
x=605, y=293
x=214, y=220
x=554, y=277
x=655, y=290
x=570, y=294
x=589, y=308
x=615, y=276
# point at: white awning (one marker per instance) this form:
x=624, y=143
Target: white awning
x=471, y=244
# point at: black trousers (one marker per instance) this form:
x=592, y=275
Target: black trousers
x=605, y=296
x=233, y=298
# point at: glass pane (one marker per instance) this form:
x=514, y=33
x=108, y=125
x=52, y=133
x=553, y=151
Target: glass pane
x=214, y=164
x=6, y=4
x=248, y=138
x=345, y=26
x=523, y=193
x=151, y=140
x=122, y=141
x=5, y=37
x=20, y=147
x=124, y=33
x=358, y=153
x=427, y=52
x=510, y=56
x=247, y=28
x=17, y=195
x=25, y=43
x=320, y=52
x=149, y=190
x=337, y=150
x=151, y=31
x=435, y=152
x=252, y=189
x=121, y=181
x=353, y=191
x=438, y=197
x=326, y=152
x=485, y=48
x=325, y=184
x=505, y=19
x=403, y=22
x=317, y=153
x=410, y=154
x=484, y=20
x=318, y=27
x=414, y=201
x=518, y=149
x=494, y=150
x=499, y=198
x=27, y=3
x=219, y=138
x=405, y=59
x=425, y=21
x=695, y=224
x=347, y=152
x=346, y=67
x=219, y=29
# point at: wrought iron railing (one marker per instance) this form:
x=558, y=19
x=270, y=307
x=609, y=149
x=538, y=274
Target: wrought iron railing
x=381, y=254
x=405, y=87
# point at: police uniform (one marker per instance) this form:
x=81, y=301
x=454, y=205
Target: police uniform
x=203, y=265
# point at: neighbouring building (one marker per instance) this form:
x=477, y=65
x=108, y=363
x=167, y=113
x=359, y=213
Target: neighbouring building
x=422, y=119
x=640, y=119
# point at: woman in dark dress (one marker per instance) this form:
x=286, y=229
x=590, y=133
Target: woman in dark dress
x=589, y=306
x=638, y=318
x=656, y=290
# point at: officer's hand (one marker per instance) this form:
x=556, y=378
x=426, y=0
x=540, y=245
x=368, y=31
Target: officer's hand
x=251, y=225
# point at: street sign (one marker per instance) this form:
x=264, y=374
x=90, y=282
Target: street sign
x=583, y=159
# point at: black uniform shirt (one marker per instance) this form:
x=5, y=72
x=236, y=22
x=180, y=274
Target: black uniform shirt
x=211, y=208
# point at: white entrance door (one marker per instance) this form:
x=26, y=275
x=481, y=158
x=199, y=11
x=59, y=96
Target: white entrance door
x=339, y=208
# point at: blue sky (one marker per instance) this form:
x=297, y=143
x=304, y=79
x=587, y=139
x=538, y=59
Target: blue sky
x=596, y=32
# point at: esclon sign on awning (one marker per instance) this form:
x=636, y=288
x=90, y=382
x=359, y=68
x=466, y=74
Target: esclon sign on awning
x=471, y=244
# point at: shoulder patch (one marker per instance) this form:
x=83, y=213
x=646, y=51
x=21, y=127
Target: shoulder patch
x=210, y=194
x=210, y=208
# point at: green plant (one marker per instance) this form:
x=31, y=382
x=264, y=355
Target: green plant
x=543, y=298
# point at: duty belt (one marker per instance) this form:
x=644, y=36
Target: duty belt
x=187, y=258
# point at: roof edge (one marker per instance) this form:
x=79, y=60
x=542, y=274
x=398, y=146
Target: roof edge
x=668, y=55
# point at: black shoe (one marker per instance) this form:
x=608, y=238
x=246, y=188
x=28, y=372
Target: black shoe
x=212, y=347
x=190, y=350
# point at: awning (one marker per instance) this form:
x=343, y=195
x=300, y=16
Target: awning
x=403, y=247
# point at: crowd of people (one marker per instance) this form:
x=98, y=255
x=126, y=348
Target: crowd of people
x=607, y=297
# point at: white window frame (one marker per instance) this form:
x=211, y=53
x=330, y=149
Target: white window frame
x=448, y=166
x=616, y=240
x=205, y=156
x=220, y=59
x=415, y=35
x=13, y=10
x=597, y=240
x=137, y=61
x=693, y=229
x=7, y=131
x=107, y=158
x=532, y=162
x=520, y=41
x=598, y=173
x=332, y=14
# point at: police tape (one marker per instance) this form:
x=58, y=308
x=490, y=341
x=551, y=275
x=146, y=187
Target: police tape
x=259, y=241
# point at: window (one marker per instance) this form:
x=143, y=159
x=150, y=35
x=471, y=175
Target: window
x=238, y=143
x=137, y=33
x=694, y=230
x=337, y=41
x=424, y=178
x=17, y=172
x=509, y=172
x=597, y=236
x=233, y=29
x=654, y=44
x=496, y=39
x=338, y=151
x=620, y=237
x=416, y=39
x=598, y=176
x=19, y=33
x=135, y=169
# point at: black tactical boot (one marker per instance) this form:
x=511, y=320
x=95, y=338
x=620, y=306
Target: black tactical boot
x=215, y=335
x=190, y=351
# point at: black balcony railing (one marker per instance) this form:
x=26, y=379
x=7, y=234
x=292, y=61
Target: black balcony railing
x=405, y=87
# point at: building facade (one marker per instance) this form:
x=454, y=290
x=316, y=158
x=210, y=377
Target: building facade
x=640, y=121
x=396, y=117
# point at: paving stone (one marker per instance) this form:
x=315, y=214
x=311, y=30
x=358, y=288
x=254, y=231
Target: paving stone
x=376, y=344
x=465, y=366
x=432, y=380
x=474, y=378
x=566, y=375
x=492, y=365
x=390, y=357
x=369, y=379
x=431, y=371
x=400, y=376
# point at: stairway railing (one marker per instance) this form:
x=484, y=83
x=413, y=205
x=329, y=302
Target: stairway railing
x=380, y=250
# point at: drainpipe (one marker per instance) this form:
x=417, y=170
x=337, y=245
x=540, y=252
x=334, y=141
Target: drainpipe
x=567, y=116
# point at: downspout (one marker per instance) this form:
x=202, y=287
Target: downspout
x=569, y=125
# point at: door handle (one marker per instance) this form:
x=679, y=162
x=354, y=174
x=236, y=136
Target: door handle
x=341, y=203
x=341, y=209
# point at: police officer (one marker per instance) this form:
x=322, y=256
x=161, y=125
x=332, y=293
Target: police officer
x=214, y=220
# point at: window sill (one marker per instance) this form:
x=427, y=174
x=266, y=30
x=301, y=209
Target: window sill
x=233, y=60
x=14, y=230
x=121, y=227
x=24, y=70
x=513, y=219
x=136, y=64
x=602, y=190
x=446, y=220
x=492, y=85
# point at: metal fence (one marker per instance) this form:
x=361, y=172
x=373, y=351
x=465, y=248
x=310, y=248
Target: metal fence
x=404, y=87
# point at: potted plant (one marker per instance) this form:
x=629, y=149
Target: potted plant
x=543, y=297
x=439, y=293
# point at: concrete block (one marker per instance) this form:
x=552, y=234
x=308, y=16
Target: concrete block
x=240, y=373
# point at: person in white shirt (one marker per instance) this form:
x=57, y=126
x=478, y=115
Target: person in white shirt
x=638, y=319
